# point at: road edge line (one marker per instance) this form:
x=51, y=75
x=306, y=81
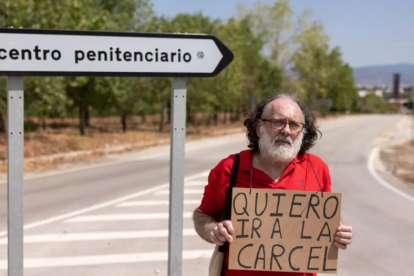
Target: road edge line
x=370, y=165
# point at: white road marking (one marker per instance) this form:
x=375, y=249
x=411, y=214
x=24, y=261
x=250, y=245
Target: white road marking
x=107, y=259
x=195, y=183
x=155, y=203
x=149, y=216
x=95, y=236
x=371, y=169
x=186, y=192
x=203, y=174
x=102, y=205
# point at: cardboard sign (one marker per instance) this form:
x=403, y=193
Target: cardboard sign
x=280, y=230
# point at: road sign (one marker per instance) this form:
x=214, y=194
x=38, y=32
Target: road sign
x=35, y=52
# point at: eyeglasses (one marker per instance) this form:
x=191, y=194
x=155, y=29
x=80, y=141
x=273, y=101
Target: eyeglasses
x=281, y=124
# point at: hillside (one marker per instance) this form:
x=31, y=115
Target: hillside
x=380, y=75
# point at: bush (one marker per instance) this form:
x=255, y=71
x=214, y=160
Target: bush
x=374, y=104
x=30, y=126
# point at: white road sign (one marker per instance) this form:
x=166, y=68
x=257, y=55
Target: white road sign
x=31, y=52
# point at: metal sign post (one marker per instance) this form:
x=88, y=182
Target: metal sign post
x=36, y=52
x=15, y=144
x=177, y=150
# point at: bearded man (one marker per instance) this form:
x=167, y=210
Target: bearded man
x=280, y=132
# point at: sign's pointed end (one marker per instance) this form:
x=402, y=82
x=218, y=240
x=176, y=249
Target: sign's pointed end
x=227, y=58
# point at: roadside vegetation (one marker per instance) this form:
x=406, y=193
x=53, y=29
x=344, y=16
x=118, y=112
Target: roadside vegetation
x=275, y=51
x=399, y=160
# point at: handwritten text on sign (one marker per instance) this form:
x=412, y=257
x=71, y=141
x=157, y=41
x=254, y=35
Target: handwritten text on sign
x=280, y=230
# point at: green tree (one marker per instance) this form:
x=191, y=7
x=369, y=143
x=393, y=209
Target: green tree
x=44, y=95
x=341, y=86
x=372, y=103
x=281, y=32
x=108, y=15
x=311, y=63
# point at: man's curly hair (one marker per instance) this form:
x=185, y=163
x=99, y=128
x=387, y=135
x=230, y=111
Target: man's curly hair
x=310, y=129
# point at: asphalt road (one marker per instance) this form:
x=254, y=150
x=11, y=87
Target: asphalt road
x=113, y=220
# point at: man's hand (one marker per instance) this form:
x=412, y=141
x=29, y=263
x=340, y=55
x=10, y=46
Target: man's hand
x=344, y=237
x=221, y=232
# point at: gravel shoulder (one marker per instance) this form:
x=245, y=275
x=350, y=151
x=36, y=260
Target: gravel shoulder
x=397, y=151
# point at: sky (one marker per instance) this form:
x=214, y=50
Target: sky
x=369, y=32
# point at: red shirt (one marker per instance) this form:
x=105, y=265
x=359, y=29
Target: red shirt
x=298, y=176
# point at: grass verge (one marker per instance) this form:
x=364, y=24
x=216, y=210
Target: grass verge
x=49, y=149
x=399, y=160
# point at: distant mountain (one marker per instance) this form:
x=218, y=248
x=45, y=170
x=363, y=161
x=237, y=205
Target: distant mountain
x=382, y=75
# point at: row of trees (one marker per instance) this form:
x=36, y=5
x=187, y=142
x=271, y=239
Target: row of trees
x=275, y=51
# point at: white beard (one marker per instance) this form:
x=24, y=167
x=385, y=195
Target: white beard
x=277, y=152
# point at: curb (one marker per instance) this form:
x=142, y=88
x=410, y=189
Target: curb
x=116, y=149
x=106, y=150
x=65, y=158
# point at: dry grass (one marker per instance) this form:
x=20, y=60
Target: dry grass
x=399, y=160
x=45, y=150
x=61, y=143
